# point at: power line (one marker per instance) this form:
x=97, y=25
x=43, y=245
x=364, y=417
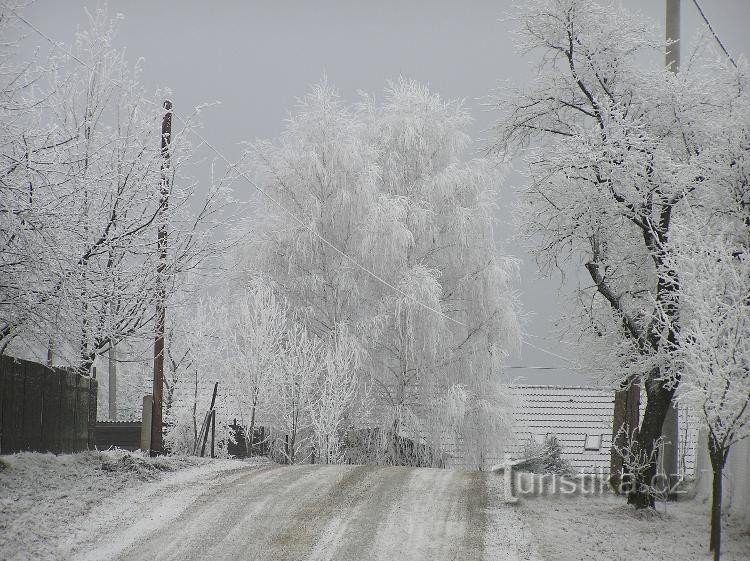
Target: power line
x=711, y=29
x=250, y=181
x=550, y=353
x=264, y=193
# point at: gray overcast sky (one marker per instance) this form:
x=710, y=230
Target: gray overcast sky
x=256, y=57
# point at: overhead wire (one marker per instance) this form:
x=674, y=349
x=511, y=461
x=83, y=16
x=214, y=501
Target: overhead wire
x=284, y=209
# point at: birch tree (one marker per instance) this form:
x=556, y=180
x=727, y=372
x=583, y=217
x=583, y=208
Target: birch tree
x=255, y=328
x=292, y=389
x=393, y=240
x=339, y=401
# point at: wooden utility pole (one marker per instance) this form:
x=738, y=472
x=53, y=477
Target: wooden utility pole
x=161, y=293
x=670, y=428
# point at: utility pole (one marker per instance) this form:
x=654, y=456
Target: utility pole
x=112, y=382
x=670, y=429
x=161, y=293
x=672, y=59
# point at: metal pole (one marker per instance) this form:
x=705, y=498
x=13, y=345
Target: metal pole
x=161, y=295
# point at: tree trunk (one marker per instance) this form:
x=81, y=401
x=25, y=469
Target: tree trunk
x=394, y=443
x=251, y=437
x=657, y=405
x=625, y=422
x=715, y=543
x=718, y=454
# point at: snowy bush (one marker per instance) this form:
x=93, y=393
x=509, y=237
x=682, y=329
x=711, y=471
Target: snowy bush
x=545, y=457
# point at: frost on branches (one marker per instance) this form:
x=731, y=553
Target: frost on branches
x=392, y=243
x=304, y=390
x=81, y=171
x=711, y=252
x=616, y=151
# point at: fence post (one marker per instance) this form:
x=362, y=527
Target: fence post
x=17, y=408
x=146, y=423
x=33, y=406
x=68, y=400
x=204, y=431
x=93, y=393
x=83, y=385
x=52, y=414
x=213, y=432
x=5, y=389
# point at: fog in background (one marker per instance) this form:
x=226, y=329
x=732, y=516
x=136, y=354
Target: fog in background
x=257, y=57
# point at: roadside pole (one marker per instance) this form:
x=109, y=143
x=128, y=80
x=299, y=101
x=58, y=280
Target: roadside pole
x=161, y=295
x=670, y=428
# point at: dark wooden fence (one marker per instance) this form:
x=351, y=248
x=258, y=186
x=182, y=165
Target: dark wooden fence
x=45, y=409
x=122, y=434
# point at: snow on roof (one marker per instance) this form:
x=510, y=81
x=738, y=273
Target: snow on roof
x=570, y=413
x=576, y=414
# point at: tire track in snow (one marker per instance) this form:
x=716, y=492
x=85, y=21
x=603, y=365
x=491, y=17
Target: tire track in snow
x=133, y=515
x=237, y=513
x=441, y=516
x=324, y=513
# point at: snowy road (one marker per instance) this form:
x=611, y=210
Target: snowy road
x=305, y=512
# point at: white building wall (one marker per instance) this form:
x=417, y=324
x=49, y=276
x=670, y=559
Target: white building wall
x=737, y=483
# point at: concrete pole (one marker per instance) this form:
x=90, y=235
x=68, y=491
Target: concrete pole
x=112, y=392
x=148, y=405
x=670, y=429
x=672, y=58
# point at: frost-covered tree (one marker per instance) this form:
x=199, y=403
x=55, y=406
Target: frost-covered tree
x=612, y=146
x=255, y=327
x=711, y=252
x=22, y=217
x=293, y=388
x=273, y=372
x=339, y=399
x=392, y=237
x=714, y=346
x=79, y=202
x=83, y=167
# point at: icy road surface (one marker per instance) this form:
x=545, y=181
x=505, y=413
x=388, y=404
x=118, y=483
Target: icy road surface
x=348, y=513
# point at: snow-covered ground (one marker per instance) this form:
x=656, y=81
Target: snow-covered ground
x=50, y=503
x=603, y=527
x=117, y=505
x=112, y=505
